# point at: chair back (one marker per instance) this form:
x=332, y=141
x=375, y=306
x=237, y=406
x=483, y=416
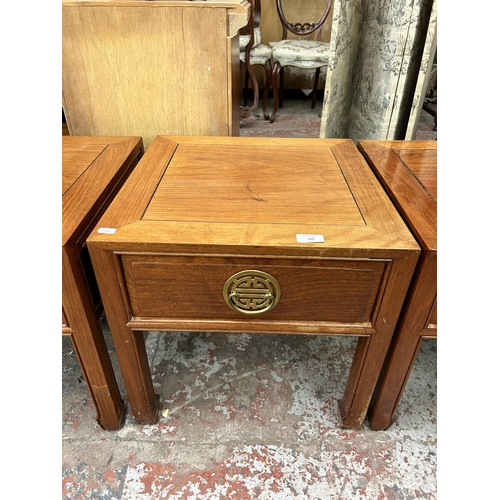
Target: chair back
x=253, y=20
x=302, y=28
x=257, y=9
x=247, y=33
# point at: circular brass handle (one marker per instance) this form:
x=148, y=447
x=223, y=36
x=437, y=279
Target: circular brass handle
x=251, y=292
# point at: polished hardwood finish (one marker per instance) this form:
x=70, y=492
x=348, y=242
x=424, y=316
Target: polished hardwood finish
x=93, y=170
x=408, y=172
x=138, y=67
x=198, y=210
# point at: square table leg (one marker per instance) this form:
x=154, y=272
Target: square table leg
x=130, y=345
x=89, y=344
x=412, y=328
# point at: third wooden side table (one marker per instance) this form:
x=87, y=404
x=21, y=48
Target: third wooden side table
x=253, y=235
x=408, y=172
x=93, y=170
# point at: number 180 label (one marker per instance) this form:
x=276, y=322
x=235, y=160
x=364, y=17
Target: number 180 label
x=310, y=238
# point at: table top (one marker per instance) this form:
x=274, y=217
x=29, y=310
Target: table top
x=249, y=194
x=408, y=171
x=91, y=167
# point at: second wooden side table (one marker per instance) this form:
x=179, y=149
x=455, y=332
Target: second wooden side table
x=408, y=172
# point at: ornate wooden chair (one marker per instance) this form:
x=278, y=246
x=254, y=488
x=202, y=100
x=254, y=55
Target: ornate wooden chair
x=298, y=52
x=252, y=53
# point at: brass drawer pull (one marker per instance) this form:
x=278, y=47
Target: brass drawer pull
x=251, y=292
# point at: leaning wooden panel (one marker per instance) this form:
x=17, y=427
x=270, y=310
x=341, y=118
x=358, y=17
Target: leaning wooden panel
x=208, y=235
x=148, y=68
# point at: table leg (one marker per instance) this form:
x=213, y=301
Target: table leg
x=413, y=326
x=363, y=375
x=89, y=344
x=130, y=346
x=134, y=364
x=371, y=350
x=101, y=382
x=395, y=376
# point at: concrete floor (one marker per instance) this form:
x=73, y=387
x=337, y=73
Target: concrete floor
x=297, y=119
x=251, y=416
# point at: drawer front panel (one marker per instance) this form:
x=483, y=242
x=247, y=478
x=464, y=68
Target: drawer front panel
x=310, y=290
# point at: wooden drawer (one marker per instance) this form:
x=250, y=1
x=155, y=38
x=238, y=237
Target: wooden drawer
x=319, y=290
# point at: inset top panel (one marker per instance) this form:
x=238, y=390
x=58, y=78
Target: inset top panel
x=76, y=159
x=249, y=195
x=422, y=163
x=250, y=184
x=408, y=171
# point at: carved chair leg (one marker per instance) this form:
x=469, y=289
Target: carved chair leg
x=268, y=70
x=275, y=78
x=255, y=86
x=315, y=88
x=245, y=95
x=282, y=86
x=245, y=112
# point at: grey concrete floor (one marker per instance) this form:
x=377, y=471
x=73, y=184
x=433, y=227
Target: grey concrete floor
x=250, y=416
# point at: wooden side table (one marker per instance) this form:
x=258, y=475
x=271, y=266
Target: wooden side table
x=93, y=170
x=253, y=235
x=408, y=172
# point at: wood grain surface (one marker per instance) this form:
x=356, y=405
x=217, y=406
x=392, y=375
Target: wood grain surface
x=146, y=68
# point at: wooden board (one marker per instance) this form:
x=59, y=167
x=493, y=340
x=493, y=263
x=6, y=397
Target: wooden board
x=147, y=68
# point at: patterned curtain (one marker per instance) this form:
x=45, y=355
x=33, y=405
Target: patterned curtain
x=381, y=54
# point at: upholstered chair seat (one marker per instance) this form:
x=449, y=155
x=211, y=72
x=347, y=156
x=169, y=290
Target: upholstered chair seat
x=245, y=39
x=301, y=53
x=260, y=54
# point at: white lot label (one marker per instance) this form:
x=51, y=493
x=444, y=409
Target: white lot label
x=310, y=238
x=106, y=230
